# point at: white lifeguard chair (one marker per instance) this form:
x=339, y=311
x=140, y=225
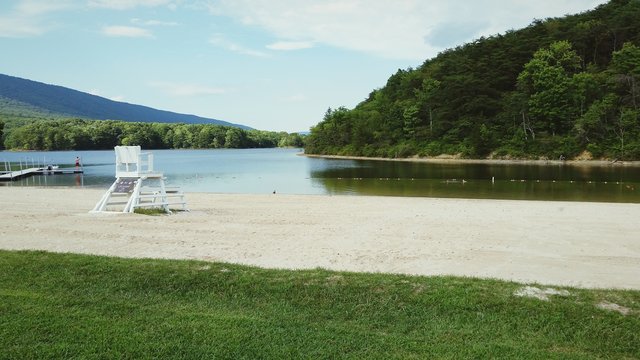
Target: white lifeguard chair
x=137, y=185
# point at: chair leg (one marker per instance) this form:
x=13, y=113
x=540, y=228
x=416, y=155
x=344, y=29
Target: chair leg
x=102, y=204
x=163, y=197
x=135, y=197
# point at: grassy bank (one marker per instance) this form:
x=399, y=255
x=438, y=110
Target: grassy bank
x=77, y=306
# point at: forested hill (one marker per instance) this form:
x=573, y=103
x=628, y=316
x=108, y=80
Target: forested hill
x=560, y=87
x=35, y=99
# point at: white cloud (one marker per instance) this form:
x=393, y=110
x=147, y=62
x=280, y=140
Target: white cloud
x=183, y=89
x=153, y=22
x=37, y=7
x=126, y=31
x=20, y=27
x=290, y=45
x=97, y=92
x=403, y=29
x=30, y=18
x=128, y=4
x=219, y=40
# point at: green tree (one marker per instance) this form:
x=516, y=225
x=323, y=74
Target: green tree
x=204, y=137
x=105, y=135
x=426, y=97
x=626, y=68
x=548, y=80
x=1, y=134
x=591, y=127
x=411, y=121
x=626, y=126
x=234, y=138
x=291, y=140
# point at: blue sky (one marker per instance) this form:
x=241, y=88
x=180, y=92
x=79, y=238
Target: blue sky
x=269, y=64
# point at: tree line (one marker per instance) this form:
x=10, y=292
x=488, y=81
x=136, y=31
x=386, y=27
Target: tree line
x=80, y=134
x=562, y=87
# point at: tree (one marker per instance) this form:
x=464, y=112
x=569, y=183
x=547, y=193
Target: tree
x=539, y=91
x=626, y=67
x=591, y=127
x=585, y=89
x=626, y=122
x=1, y=135
x=410, y=116
x=291, y=140
x=425, y=97
x=548, y=80
x=234, y=138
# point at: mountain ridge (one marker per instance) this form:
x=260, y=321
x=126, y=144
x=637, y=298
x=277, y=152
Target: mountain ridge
x=60, y=101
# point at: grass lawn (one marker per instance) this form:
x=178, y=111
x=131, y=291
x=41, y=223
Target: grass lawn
x=76, y=306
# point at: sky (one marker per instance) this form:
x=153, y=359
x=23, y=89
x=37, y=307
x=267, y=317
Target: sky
x=273, y=65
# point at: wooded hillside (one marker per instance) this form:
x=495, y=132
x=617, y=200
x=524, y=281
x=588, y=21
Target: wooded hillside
x=79, y=134
x=561, y=87
x=26, y=98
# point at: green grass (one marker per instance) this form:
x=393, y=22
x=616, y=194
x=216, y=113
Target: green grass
x=76, y=306
x=154, y=211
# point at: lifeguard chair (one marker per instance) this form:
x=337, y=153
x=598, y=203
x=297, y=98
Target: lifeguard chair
x=137, y=185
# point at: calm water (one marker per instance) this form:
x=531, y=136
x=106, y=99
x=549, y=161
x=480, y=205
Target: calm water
x=282, y=170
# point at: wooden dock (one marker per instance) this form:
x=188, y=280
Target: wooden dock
x=20, y=174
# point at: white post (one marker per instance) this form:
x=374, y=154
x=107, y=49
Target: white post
x=150, y=162
x=102, y=204
x=134, y=199
x=163, y=194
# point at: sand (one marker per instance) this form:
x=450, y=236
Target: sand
x=592, y=245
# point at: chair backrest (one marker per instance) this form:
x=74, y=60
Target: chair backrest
x=131, y=162
x=128, y=163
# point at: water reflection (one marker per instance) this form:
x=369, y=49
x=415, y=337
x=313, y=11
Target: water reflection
x=282, y=170
x=516, y=172
x=485, y=189
x=495, y=181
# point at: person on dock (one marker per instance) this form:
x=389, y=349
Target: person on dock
x=77, y=161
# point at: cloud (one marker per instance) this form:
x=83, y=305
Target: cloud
x=153, y=22
x=30, y=18
x=35, y=7
x=444, y=35
x=183, y=89
x=290, y=45
x=220, y=41
x=128, y=4
x=97, y=92
x=403, y=29
x=19, y=27
x=126, y=31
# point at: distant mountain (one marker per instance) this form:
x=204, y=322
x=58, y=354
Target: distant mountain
x=26, y=97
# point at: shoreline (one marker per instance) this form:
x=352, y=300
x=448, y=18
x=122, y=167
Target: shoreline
x=588, y=245
x=454, y=160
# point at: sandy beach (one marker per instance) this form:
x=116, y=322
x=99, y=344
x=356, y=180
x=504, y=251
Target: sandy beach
x=593, y=245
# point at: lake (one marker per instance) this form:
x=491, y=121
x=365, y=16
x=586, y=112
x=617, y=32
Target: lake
x=259, y=171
